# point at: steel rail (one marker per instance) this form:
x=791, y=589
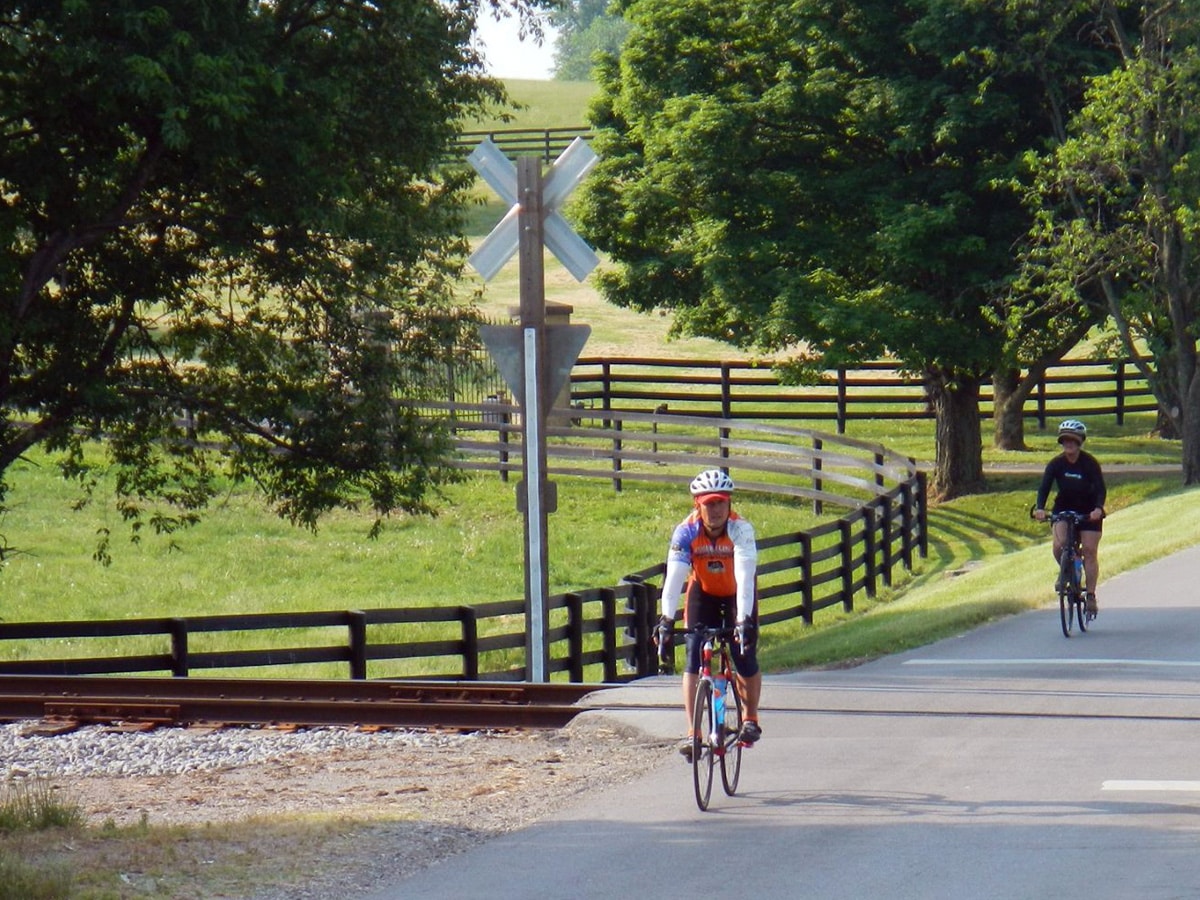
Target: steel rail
x=397, y=704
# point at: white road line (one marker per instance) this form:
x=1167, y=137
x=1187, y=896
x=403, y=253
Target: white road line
x=1144, y=663
x=1150, y=786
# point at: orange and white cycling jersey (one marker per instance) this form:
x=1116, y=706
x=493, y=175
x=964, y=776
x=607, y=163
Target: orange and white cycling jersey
x=723, y=566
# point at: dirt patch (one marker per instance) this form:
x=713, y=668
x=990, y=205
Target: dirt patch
x=338, y=825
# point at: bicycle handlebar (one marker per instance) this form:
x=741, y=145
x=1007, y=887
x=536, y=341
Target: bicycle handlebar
x=1063, y=516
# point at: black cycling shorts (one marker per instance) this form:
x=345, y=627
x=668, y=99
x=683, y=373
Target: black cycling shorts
x=711, y=611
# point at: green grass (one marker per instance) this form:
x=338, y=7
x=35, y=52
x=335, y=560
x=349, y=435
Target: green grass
x=35, y=806
x=554, y=104
x=1128, y=444
x=29, y=809
x=21, y=879
x=539, y=104
x=242, y=559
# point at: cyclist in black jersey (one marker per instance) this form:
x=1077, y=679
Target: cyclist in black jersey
x=1080, y=485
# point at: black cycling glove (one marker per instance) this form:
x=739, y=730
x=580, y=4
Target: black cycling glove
x=664, y=637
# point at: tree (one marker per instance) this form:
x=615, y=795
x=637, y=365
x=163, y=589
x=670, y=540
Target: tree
x=237, y=212
x=838, y=178
x=1119, y=204
x=585, y=28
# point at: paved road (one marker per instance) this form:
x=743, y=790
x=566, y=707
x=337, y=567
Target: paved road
x=1007, y=763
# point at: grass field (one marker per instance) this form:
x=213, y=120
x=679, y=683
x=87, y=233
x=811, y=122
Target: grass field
x=539, y=104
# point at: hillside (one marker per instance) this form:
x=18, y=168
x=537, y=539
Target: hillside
x=541, y=104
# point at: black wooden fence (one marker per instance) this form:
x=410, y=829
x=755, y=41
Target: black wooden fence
x=807, y=571
x=546, y=143
x=741, y=389
x=665, y=448
x=595, y=634
x=359, y=638
x=873, y=390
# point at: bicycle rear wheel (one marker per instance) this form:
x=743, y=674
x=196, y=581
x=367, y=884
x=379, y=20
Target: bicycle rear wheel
x=1080, y=611
x=702, y=750
x=731, y=759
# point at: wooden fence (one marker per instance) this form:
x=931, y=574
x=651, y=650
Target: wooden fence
x=362, y=637
x=878, y=390
x=595, y=634
x=807, y=571
x=546, y=143
x=667, y=448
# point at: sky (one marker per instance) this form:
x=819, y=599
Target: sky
x=509, y=57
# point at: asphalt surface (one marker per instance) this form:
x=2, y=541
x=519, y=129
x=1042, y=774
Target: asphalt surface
x=1010, y=762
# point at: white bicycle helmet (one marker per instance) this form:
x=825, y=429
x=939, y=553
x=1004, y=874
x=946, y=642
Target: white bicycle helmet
x=1072, y=428
x=711, y=481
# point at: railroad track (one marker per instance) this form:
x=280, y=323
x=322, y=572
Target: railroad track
x=234, y=701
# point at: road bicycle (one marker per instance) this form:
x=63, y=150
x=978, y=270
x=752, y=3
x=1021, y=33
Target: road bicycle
x=717, y=717
x=1072, y=607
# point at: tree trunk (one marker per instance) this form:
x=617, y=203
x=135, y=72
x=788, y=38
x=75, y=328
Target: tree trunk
x=1008, y=422
x=958, y=460
x=1189, y=421
x=1165, y=427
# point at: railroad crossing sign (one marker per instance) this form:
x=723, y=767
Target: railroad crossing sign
x=568, y=170
x=533, y=221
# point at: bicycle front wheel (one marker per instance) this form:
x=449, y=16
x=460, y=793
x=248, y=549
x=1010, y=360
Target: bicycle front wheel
x=1080, y=611
x=1066, y=594
x=731, y=759
x=703, y=727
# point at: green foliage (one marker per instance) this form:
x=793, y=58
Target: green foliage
x=233, y=210
x=586, y=28
x=832, y=181
x=731, y=167
x=1117, y=203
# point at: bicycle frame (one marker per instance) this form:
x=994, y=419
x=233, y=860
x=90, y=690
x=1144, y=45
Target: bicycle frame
x=1071, y=605
x=721, y=684
x=716, y=724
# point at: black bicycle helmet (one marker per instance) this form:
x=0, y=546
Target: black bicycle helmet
x=1072, y=428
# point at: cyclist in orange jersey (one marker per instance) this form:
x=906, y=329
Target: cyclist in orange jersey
x=712, y=561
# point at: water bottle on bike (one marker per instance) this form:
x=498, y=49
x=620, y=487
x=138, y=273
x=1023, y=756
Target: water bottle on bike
x=720, y=686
